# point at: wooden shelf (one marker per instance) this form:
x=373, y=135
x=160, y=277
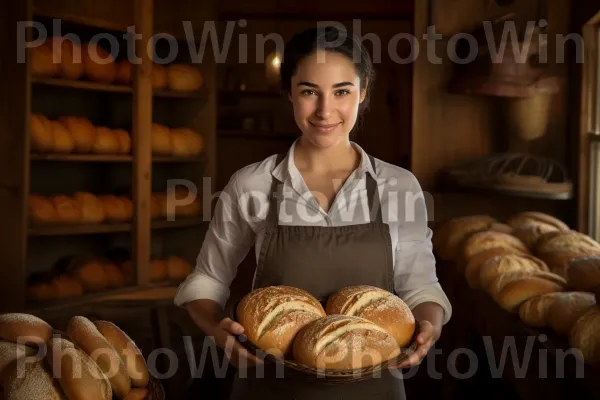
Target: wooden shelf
x=242, y=134
x=110, y=158
x=199, y=94
x=78, y=229
x=178, y=223
x=80, y=20
x=170, y=159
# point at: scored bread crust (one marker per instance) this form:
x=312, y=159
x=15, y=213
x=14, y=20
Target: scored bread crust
x=534, y=312
x=474, y=265
x=515, y=293
x=565, y=311
x=128, y=351
x=503, y=279
x=84, y=333
x=343, y=342
x=584, y=336
x=273, y=315
x=449, y=237
x=561, y=241
x=583, y=273
x=376, y=305
x=527, y=218
x=496, y=266
x=481, y=241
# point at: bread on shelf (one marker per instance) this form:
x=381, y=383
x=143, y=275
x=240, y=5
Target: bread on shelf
x=449, y=237
x=475, y=263
x=534, y=312
x=516, y=292
x=583, y=274
x=493, y=268
x=584, y=336
x=567, y=309
x=82, y=131
x=99, y=65
x=184, y=77
x=481, y=241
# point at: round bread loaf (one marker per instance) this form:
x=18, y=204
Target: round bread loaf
x=85, y=334
x=25, y=329
x=503, y=279
x=128, y=351
x=343, y=342
x=534, y=312
x=515, y=293
x=502, y=264
x=82, y=131
x=137, y=394
x=376, y=305
x=558, y=260
x=584, y=336
x=79, y=376
x=561, y=241
x=272, y=316
x=567, y=309
x=184, y=77
x=530, y=234
x=472, y=270
x=527, y=218
x=92, y=211
x=449, y=237
x=31, y=380
x=583, y=273
x=99, y=64
x=40, y=133
x=481, y=241
x=67, y=209
x=10, y=352
x=42, y=210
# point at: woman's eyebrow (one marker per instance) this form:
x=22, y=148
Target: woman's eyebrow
x=310, y=84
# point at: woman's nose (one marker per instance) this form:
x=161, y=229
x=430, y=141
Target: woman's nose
x=324, y=107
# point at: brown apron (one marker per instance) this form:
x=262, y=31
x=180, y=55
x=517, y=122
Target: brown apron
x=322, y=260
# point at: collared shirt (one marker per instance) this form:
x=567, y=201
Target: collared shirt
x=240, y=219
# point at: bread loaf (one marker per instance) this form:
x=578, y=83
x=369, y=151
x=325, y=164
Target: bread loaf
x=128, y=351
x=481, y=241
x=79, y=376
x=500, y=227
x=91, y=275
x=448, y=239
x=563, y=241
x=558, y=260
x=65, y=286
x=115, y=278
x=567, y=309
x=178, y=268
x=85, y=334
x=67, y=208
x=272, y=316
x=502, y=264
x=10, y=352
x=137, y=394
x=528, y=218
x=158, y=271
x=40, y=133
x=534, y=312
x=25, y=329
x=159, y=76
x=42, y=61
x=31, y=380
x=42, y=210
x=106, y=141
x=516, y=292
x=502, y=280
x=82, y=131
x=583, y=273
x=184, y=77
x=123, y=72
x=99, y=65
x=343, y=342
x=92, y=211
x=69, y=55
x=161, y=139
x=376, y=305
x=474, y=265
x=584, y=336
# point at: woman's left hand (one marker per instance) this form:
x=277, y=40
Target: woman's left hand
x=425, y=339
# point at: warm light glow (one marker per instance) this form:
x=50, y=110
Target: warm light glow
x=276, y=61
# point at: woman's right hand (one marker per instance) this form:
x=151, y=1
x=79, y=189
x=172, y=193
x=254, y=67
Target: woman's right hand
x=234, y=351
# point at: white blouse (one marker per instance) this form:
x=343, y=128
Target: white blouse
x=239, y=221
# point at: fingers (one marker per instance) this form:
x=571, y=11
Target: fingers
x=231, y=326
x=417, y=357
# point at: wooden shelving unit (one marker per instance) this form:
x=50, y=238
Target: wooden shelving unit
x=134, y=107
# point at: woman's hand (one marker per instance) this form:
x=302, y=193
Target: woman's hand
x=234, y=351
x=425, y=340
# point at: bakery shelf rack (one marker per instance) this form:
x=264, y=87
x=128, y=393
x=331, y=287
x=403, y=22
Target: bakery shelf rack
x=134, y=174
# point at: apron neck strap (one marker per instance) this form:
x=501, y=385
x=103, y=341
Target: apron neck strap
x=373, y=194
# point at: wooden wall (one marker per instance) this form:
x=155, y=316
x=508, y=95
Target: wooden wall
x=449, y=129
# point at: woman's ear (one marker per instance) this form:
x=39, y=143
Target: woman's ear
x=363, y=92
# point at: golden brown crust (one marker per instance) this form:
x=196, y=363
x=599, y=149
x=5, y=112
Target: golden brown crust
x=24, y=328
x=561, y=241
x=496, y=266
x=515, y=293
x=584, y=335
x=558, y=260
x=481, y=241
x=343, y=342
x=476, y=262
x=534, y=312
x=583, y=273
x=376, y=305
x=567, y=309
x=498, y=284
x=528, y=218
x=449, y=237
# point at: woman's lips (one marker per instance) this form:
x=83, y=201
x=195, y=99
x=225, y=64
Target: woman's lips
x=325, y=128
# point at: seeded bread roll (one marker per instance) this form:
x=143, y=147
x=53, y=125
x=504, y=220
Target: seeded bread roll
x=31, y=380
x=343, y=342
x=474, y=265
x=534, y=312
x=584, y=335
x=79, y=376
x=85, y=334
x=376, y=305
x=583, y=273
x=515, y=293
x=128, y=351
x=272, y=316
x=567, y=309
x=502, y=264
x=25, y=329
x=448, y=238
x=481, y=241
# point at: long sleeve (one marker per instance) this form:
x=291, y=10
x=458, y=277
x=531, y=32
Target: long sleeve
x=227, y=242
x=415, y=278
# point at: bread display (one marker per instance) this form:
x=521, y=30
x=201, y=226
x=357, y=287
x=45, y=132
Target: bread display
x=481, y=241
x=99, y=64
x=24, y=329
x=376, y=305
x=516, y=292
x=343, y=342
x=534, y=312
x=567, y=309
x=448, y=239
x=40, y=134
x=502, y=264
x=473, y=266
x=42, y=61
x=272, y=316
x=584, y=335
x=583, y=274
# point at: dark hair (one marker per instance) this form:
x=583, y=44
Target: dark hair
x=305, y=43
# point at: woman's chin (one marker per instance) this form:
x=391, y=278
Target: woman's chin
x=324, y=141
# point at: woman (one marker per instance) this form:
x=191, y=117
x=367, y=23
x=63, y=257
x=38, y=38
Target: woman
x=337, y=217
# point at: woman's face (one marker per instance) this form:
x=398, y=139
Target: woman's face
x=326, y=95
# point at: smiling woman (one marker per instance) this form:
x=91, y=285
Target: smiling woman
x=323, y=216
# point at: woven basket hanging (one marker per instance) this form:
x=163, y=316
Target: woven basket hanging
x=528, y=117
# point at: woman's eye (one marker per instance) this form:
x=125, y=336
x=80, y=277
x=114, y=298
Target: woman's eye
x=342, y=92
x=308, y=92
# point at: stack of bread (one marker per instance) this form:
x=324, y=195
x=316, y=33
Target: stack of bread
x=93, y=62
x=360, y=326
x=531, y=264
x=177, y=142
x=80, y=208
x=91, y=361
x=77, y=135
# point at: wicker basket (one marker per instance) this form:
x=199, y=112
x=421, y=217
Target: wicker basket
x=155, y=389
x=324, y=375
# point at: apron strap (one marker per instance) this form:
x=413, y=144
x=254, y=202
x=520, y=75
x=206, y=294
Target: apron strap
x=275, y=199
x=373, y=195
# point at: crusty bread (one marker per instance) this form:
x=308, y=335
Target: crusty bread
x=527, y=218
x=42, y=210
x=84, y=333
x=31, y=380
x=449, y=237
x=584, y=335
x=481, y=241
x=558, y=260
x=378, y=306
x=272, y=316
x=9, y=352
x=500, y=227
x=583, y=273
x=184, y=77
x=26, y=329
x=516, y=292
x=561, y=241
x=503, y=279
x=567, y=309
x=343, y=342
x=496, y=266
x=78, y=375
x=534, y=312
x=128, y=351
x=137, y=394
x=474, y=265
x=530, y=234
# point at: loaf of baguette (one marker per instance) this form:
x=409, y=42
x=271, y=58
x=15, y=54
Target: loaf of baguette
x=534, y=312
x=567, y=309
x=559, y=260
x=378, y=306
x=584, y=336
x=583, y=273
x=272, y=316
x=343, y=342
x=449, y=237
